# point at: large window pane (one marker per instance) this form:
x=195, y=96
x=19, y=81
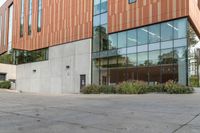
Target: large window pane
x=180, y=28
x=132, y=60
x=96, y=21
x=104, y=5
x=122, y=61
x=168, y=44
x=180, y=43
x=113, y=41
x=142, y=35
x=104, y=18
x=154, y=33
x=167, y=56
x=143, y=59
x=121, y=39
x=95, y=71
x=167, y=31
x=132, y=38
x=154, y=57
x=97, y=7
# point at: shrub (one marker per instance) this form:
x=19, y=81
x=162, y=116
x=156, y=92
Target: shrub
x=173, y=88
x=194, y=81
x=5, y=85
x=132, y=87
x=107, y=89
x=91, y=89
x=156, y=88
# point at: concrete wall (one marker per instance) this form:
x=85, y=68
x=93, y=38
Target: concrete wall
x=10, y=71
x=52, y=76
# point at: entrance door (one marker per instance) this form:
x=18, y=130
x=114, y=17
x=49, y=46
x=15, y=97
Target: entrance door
x=82, y=81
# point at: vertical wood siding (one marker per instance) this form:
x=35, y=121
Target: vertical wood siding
x=62, y=21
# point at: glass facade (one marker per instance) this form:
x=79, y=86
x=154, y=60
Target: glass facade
x=39, y=17
x=22, y=57
x=155, y=54
x=22, y=19
x=30, y=18
x=10, y=28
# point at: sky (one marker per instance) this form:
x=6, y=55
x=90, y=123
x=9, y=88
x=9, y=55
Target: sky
x=1, y=2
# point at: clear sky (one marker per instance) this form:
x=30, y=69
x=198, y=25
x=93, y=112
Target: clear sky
x=1, y=2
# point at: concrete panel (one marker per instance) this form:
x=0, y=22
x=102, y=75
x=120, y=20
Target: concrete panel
x=53, y=76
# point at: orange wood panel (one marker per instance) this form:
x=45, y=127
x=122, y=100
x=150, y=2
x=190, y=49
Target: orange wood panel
x=4, y=10
x=62, y=21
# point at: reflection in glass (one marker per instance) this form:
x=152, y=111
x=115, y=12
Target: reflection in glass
x=167, y=31
x=154, y=58
x=132, y=38
x=180, y=27
x=113, y=41
x=143, y=59
x=154, y=33
x=121, y=39
x=142, y=36
x=132, y=60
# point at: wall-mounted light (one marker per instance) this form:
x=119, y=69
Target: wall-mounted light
x=67, y=67
x=34, y=71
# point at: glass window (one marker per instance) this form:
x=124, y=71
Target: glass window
x=39, y=24
x=97, y=7
x=143, y=48
x=143, y=59
x=121, y=39
x=154, y=57
x=142, y=35
x=167, y=56
x=5, y=27
x=96, y=43
x=180, y=28
x=132, y=38
x=10, y=28
x=131, y=50
x=168, y=44
x=22, y=19
x=30, y=18
x=95, y=71
x=154, y=33
x=113, y=41
x=167, y=31
x=113, y=61
x=131, y=1
x=180, y=42
x=122, y=61
x=104, y=18
x=132, y=60
x=96, y=21
x=154, y=46
x=104, y=5
x=180, y=53
x=121, y=51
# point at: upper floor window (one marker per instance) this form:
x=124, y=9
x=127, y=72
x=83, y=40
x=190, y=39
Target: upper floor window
x=131, y=1
x=30, y=18
x=5, y=27
x=22, y=19
x=39, y=24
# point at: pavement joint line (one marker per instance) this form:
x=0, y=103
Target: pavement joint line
x=185, y=124
x=58, y=121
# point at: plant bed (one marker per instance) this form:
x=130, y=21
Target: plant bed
x=138, y=87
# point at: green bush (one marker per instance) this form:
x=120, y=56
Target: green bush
x=91, y=89
x=173, y=88
x=5, y=85
x=194, y=81
x=132, y=87
x=107, y=89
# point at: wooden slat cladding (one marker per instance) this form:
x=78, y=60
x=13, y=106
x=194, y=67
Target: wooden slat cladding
x=123, y=15
x=3, y=10
x=62, y=21
x=194, y=15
